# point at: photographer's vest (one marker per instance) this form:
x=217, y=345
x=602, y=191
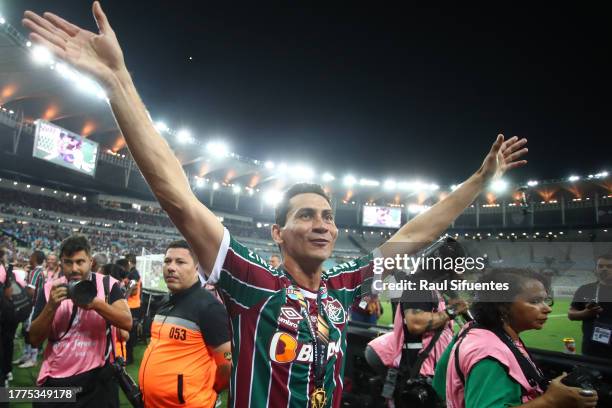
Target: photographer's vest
x=134, y=299
x=389, y=346
x=479, y=344
x=83, y=347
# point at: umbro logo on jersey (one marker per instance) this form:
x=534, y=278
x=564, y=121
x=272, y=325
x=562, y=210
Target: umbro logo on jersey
x=335, y=312
x=290, y=313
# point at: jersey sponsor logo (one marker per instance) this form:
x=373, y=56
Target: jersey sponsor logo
x=290, y=313
x=335, y=311
x=289, y=317
x=284, y=348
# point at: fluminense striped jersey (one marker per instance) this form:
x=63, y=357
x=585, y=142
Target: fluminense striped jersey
x=271, y=341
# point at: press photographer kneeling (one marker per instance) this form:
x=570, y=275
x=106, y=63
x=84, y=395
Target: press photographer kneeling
x=73, y=314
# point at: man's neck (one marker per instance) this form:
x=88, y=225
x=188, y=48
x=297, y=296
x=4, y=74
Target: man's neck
x=306, y=276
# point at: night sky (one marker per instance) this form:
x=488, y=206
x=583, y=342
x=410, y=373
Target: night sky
x=377, y=90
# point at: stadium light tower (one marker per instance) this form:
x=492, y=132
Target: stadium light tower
x=349, y=181
x=499, y=186
x=327, y=177
x=573, y=178
x=269, y=165
x=390, y=185
x=161, y=126
x=218, y=149
x=532, y=183
x=183, y=136
x=302, y=173
x=272, y=197
x=41, y=55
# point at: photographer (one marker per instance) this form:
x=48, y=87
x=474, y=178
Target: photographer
x=423, y=326
x=592, y=304
x=489, y=365
x=72, y=314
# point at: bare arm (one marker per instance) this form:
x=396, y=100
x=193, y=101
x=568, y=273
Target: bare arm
x=419, y=322
x=41, y=326
x=589, y=312
x=100, y=56
x=223, y=358
x=428, y=226
x=117, y=314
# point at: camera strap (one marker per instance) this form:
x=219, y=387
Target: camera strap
x=72, y=317
x=533, y=374
x=109, y=337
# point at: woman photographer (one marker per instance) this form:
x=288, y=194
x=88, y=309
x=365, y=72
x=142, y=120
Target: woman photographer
x=489, y=365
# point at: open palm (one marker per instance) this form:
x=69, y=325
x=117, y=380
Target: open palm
x=503, y=156
x=97, y=54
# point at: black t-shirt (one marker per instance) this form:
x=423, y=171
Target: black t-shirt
x=134, y=275
x=41, y=301
x=588, y=293
x=196, y=304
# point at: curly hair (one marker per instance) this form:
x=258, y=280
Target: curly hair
x=490, y=307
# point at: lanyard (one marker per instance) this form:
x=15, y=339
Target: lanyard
x=318, y=348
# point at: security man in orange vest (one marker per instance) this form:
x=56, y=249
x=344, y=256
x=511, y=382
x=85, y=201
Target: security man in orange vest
x=134, y=287
x=188, y=360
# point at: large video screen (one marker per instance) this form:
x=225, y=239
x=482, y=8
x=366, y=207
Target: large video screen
x=385, y=217
x=62, y=147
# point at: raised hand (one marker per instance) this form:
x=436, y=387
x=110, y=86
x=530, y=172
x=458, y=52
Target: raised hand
x=503, y=156
x=97, y=54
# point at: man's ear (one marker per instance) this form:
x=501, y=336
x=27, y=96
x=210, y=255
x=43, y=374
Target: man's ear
x=276, y=234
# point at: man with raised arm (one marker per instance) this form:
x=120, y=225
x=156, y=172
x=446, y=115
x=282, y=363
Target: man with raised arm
x=288, y=324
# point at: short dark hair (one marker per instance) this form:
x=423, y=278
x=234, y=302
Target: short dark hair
x=181, y=243
x=490, y=307
x=115, y=271
x=282, y=209
x=123, y=263
x=39, y=257
x=74, y=243
x=131, y=258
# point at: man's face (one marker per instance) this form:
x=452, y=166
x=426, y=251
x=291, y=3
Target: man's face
x=76, y=266
x=604, y=270
x=274, y=261
x=179, y=269
x=32, y=261
x=310, y=231
x=51, y=261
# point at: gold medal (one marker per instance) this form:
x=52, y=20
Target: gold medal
x=318, y=398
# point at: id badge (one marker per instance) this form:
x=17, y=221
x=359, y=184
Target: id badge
x=602, y=335
x=363, y=304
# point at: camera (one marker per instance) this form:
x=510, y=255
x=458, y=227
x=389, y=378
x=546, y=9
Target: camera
x=81, y=292
x=416, y=392
x=127, y=384
x=589, y=380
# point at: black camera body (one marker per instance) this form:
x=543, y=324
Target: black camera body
x=588, y=380
x=417, y=393
x=127, y=384
x=81, y=292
